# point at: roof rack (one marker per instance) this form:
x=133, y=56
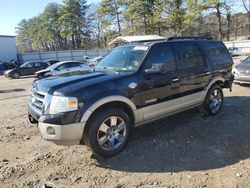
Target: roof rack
x=189, y=38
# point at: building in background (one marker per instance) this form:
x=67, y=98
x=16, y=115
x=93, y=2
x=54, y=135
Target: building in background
x=8, y=50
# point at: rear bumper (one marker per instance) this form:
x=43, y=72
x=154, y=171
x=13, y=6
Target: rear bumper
x=70, y=134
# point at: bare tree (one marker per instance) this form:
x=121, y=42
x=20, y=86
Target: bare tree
x=246, y=4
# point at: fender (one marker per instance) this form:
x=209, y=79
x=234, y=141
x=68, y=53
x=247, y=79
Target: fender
x=114, y=98
x=219, y=78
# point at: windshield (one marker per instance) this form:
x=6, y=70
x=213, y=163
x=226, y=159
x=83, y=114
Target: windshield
x=28, y=64
x=123, y=59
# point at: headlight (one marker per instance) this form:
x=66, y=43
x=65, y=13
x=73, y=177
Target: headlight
x=236, y=72
x=63, y=104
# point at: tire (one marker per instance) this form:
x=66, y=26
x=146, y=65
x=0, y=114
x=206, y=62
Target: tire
x=213, y=102
x=16, y=75
x=104, y=137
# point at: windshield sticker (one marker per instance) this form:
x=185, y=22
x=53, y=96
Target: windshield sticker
x=144, y=48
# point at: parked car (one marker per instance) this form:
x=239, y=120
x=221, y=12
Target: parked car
x=86, y=59
x=234, y=51
x=62, y=68
x=133, y=85
x=26, y=69
x=52, y=61
x=94, y=61
x=242, y=72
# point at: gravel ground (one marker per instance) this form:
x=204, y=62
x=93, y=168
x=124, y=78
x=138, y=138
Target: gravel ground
x=184, y=150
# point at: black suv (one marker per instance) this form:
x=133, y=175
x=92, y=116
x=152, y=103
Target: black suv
x=133, y=85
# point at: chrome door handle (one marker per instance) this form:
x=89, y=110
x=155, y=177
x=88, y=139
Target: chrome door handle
x=175, y=80
x=207, y=73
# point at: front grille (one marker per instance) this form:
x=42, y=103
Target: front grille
x=37, y=100
x=244, y=74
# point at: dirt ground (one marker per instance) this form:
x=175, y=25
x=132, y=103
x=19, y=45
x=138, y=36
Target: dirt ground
x=184, y=150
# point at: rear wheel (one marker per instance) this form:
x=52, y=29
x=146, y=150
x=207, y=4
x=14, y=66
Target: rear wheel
x=107, y=132
x=214, y=101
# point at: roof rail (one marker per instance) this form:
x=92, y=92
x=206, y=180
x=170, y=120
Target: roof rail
x=190, y=38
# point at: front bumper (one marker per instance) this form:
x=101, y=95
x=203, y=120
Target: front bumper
x=242, y=80
x=70, y=134
x=62, y=128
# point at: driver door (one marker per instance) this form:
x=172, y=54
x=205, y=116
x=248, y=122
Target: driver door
x=160, y=91
x=25, y=71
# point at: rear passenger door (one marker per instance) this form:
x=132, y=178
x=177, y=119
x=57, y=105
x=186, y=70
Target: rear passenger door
x=193, y=71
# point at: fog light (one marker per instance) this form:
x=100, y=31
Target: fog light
x=51, y=131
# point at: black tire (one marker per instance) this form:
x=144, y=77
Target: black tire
x=93, y=130
x=15, y=75
x=213, y=106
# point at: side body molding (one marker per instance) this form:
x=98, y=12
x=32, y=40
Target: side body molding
x=114, y=98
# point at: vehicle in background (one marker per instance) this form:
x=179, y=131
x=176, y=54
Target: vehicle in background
x=62, y=68
x=133, y=85
x=234, y=51
x=242, y=72
x=52, y=61
x=26, y=69
x=86, y=59
x=94, y=61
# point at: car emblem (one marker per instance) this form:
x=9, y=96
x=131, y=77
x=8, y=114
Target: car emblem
x=132, y=85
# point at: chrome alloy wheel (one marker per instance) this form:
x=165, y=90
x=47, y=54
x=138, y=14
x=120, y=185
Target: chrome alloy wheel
x=215, y=101
x=112, y=133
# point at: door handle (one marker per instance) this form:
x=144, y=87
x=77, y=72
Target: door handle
x=207, y=73
x=175, y=80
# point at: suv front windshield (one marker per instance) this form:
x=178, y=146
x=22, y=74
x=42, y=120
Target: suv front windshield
x=123, y=59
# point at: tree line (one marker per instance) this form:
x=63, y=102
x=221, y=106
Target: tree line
x=75, y=24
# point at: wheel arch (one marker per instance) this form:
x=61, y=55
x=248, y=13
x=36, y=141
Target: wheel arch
x=112, y=101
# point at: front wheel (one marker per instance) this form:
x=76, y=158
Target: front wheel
x=16, y=75
x=107, y=132
x=214, y=101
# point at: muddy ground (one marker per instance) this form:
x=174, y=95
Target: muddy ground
x=185, y=150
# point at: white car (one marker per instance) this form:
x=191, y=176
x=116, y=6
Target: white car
x=93, y=62
x=62, y=68
x=234, y=51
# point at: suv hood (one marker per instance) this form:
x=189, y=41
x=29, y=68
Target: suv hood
x=69, y=82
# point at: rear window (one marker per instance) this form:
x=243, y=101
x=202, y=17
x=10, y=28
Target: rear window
x=216, y=53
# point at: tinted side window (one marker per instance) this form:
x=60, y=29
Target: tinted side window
x=216, y=53
x=37, y=64
x=188, y=55
x=161, y=54
x=29, y=65
x=63, y=66
x=74, y=64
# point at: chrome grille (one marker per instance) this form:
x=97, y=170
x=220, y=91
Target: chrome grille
x=244, y=74
x=37, y=100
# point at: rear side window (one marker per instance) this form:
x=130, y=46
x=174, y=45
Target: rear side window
x=188, y=55
x=216, y=53
x=162, y=54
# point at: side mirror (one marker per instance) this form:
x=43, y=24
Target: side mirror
x=156, y=69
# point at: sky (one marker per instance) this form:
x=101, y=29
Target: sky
x=13, y=11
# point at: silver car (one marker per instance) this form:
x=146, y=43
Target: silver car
x=62, y=68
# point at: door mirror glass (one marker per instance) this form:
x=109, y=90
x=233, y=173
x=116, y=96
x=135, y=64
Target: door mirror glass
x=159, y=68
